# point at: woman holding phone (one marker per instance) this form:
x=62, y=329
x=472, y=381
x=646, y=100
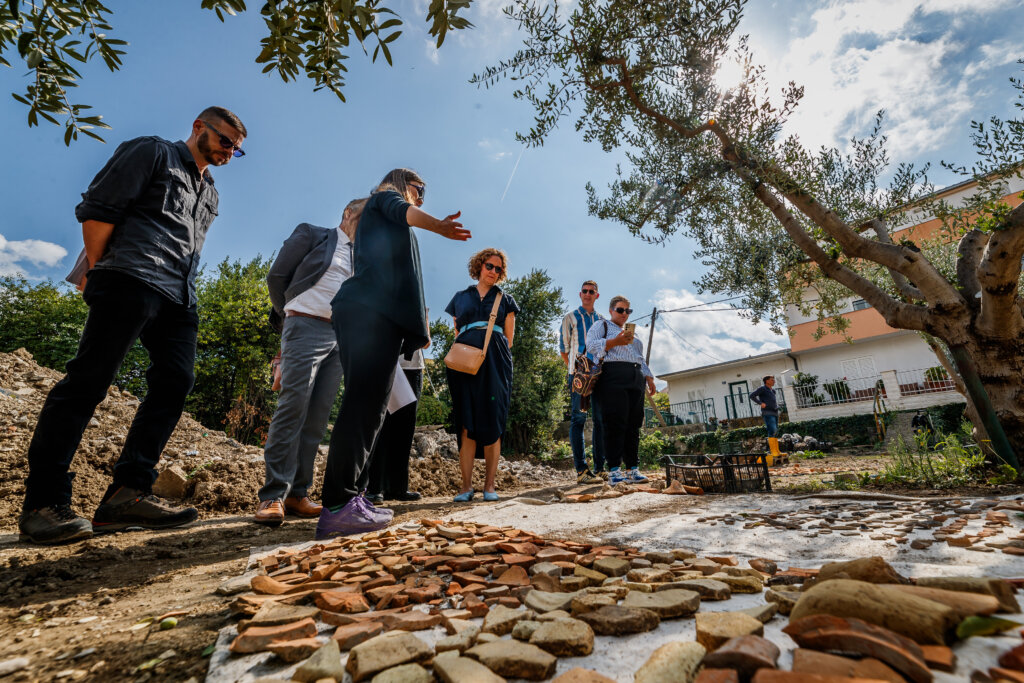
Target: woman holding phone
x=480, y=402
x=378, y=315
x=620, y=390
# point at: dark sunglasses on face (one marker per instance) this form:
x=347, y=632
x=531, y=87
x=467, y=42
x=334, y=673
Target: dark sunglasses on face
x=620, y=309
x=588, y=291
x=497, y=269
x=421, y=190
x=226, y=143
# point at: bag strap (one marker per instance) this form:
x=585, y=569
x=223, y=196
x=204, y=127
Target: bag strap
x=604, y=352
x=490, y=321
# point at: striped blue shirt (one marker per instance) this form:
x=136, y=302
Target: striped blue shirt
x=572, y=338
x=631, y=353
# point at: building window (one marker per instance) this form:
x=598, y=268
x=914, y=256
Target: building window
x=860, y=305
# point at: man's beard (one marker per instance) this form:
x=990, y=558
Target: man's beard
x=207, y=150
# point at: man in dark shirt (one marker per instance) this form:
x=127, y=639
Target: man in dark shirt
x=764, y=396
x=144, y=219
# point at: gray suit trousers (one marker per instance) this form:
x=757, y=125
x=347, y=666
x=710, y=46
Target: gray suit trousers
x=310, y=377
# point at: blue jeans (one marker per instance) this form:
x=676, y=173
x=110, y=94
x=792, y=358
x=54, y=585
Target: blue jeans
x=576, y=424
x=772, y=423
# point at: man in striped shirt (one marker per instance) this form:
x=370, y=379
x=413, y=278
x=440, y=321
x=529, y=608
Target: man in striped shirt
x=572, y=341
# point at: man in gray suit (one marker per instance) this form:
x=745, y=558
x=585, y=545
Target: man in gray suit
x=305, y=276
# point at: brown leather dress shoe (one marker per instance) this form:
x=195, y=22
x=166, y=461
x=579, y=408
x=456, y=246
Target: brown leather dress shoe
x=270, y=512
x=302, y=507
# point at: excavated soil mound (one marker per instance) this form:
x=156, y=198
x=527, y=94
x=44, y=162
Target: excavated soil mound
x=223, y=474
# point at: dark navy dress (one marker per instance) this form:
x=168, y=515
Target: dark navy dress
x=480, y=402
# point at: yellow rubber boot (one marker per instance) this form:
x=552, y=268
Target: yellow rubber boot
x=773, y=448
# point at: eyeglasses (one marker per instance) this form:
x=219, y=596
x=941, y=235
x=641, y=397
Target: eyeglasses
x=226, y=143
x=421, y=190
x=620, y=309
x=588, y=291
x=497, y=269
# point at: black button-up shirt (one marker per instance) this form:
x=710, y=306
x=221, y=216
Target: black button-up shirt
x=161, y=208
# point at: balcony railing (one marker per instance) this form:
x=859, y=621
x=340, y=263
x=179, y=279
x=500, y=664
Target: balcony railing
x=839, y=390
x=701, y=411
x=739, y=405
x=924, y=381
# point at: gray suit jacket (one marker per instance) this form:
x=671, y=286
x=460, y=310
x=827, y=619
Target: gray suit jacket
x=304, y=257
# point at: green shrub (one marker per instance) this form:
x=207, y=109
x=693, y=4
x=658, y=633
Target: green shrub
x=852, y=430
x=652, y=446
x=952, y=463
x=838, y=389
x=431, y=411
x=936, y=373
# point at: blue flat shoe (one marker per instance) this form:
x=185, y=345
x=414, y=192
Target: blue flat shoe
x=465, y=497
x=490, y=496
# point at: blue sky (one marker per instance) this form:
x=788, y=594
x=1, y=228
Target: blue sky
x=932, y=65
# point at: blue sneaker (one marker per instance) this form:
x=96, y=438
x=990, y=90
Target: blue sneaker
x=616, y=476
x=464, y=497
x=491, y=496
x=634, y=476
x=352, y=518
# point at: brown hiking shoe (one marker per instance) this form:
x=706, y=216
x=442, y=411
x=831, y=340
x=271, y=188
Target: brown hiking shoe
x=301, y=507
x=270, y=512
x=130, y=508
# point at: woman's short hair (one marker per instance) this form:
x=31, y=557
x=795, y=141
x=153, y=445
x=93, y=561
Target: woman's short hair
x=476, y=263
x=398, y=180
x=617, y=299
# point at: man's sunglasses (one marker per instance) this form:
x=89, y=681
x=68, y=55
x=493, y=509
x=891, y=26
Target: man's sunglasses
x=620, y=309
x=226, y=143
x=421, y=190
x=588, y=291
x=497, y=269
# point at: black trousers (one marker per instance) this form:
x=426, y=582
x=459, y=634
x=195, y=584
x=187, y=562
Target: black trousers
x=121, y=309
x=389, y=464
x=620, y=393
x=368, y=345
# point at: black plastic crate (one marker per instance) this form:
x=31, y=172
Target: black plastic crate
x=732, y=446
x=736, y=473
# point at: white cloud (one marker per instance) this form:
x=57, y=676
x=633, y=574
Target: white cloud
x=492, y=148
x=36, y=252
x=433, y=54
x=864, y=55
x=692, y=339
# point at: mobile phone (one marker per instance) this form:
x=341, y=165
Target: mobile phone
x=630, y=329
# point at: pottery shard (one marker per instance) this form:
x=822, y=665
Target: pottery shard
x=406, y=673
x=745, y=654
x=553, y=554
x=822, y=663
x=941, y=658
x=588, y=602
x=564, y=638
x=707, y=675
x=453, y=669
x=325, y=663
x=714, y=629
x=501, y=620
x=514, y=576
x=764, y=566
x=763, y=613
x=709, y=589
x=739, y=584
x=614, y=620
x=611, y=566
x=544, y=601
x=666, y=604
x=997, y=588
x=580, y=675
x=350, y=635
x=459, y=642
x=650, y=575
x=854, y=636
x=773, y=676
x=524, y=629
x=869, y=569
x=346, y=603
x=275, y=614
x=385, y=651
x=784, y=599
x=452, y=533
x=924, y=621
x=965, y=604
x=259, y=638
x=549, y=568
x=671, y=663
x=590, y=576
x=1011, y=659
x=295, y=650
x=513, y=659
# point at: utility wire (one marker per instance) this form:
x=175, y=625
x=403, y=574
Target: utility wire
x=680, y=338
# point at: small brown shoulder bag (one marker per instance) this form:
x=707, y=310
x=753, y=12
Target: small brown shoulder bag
x=468, y=359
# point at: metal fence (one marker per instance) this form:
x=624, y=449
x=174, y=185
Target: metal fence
x=839, y=390
x=701, y=411
x=924, y=381
x=739, y=405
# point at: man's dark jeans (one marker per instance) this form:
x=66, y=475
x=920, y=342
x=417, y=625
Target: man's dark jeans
x=576, y=424
x=771, y=423
x=121, y=310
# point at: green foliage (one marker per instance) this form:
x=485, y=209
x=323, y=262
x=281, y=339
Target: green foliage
x=811, y=455
x=539, y=394
x=46, y=319
x=951, y=463
x=838, y=389
x=1004, y=475
x=442, y=336
x=852, y=430
x=431, y=411
x=936, y=373
x=652, y=446
x=236, y=343
x=556, y=450
x=56, y=38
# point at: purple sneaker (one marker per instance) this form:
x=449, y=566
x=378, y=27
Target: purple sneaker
x=374, y=512
x=351, y=519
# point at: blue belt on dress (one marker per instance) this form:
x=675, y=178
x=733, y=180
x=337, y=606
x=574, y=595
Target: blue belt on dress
x=481, y=323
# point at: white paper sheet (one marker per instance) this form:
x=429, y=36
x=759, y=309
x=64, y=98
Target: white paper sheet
x=401, y=392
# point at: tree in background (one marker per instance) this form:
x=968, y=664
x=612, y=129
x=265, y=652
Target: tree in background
x=436, y=408
x=46, y=319
x=235, y=346
x=55, y=38
x=715, y=164
x=539, y=393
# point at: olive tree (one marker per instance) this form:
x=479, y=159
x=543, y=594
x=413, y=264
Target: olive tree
x=716, y=163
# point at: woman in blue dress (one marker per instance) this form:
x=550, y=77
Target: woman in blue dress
x=480, y=402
